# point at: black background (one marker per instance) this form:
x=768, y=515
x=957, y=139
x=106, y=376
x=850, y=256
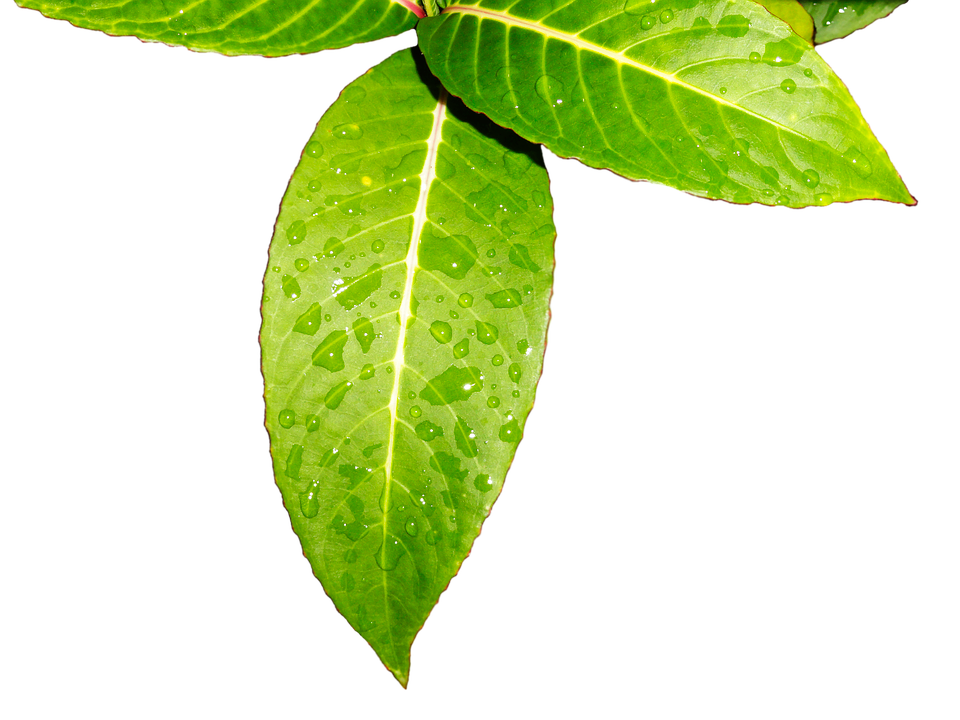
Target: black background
x=127, y=152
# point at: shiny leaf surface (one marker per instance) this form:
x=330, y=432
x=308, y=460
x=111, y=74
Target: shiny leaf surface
x=715, y=97
x=241, y=27
x=404, y=324
x=838, y=18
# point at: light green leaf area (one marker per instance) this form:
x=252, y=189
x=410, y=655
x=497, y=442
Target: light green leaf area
x=715, y=97
x=404, y=324
x=240, y=27
x=836, y=19
x=792, y=13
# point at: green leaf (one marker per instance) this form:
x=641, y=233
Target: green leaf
x=241, y=27
x=793, y=14
x=836, y=20
x=399, y=374
x=717, y=97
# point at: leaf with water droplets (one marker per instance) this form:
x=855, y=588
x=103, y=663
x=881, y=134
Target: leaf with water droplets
x=241, y=27
x=380, y=410
x=836, y=19
x=718, y=98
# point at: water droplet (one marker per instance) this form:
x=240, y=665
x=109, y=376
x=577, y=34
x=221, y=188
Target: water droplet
x=411, y=395
x=858, y=161
x=493, y=401
x=448, y=466
x=369, y=450
x=515, y=393
x=441, y=331
x=510, y=432
x=312, y=423
x=784, y=53
x=329, y=353
x=350, y=556
x=647, y=22
x=519, y=255
x=465, y=300
x=354, y=93
x=428, y=431
x=310, y=500
x=301, y=264
x=515, y=372
x=453, y=255
x=309, y=322
x=487, y=333
x=389, y=554
x=789, y=86
x=734, y=26
x=367, y=372
x=483, y=483
x=348, y=131
x=294, y=461
x=497, y=360
x=332, y=247
x=411, y=526
x=358, y=290
x=444, y=168
x=329, y=457
x=336, y=394
x=466, y=438
x=808, y=73
x=505, y=298
x=287, y=418
x=811, y=178
x=454, y=315
x=453, y=385
x=723, y=91
x=297, y=232
x=347, y=583
x=523, y=347
x=377, y=246
x=314, y=185
x=364, y=332
x=439, y=298
x=549, y=89
x=666, y=16
x=314, y=149
x=290, y=287
x=755, y=57
x=461, y=349
x=415, y=411
x=432, y=537
x=824, y=199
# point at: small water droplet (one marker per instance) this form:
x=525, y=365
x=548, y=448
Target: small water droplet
x=666, y=16
x=515, y=372
x=487, y=333
x=314, y=149
x=367, y=372
x=314, y=185
x=428, y=431
x=789, y=86
x=377, y=246
x=755, y=57
x=312, y=423
x=497, y=360
x=389, y=554
x=415, y=411
x=462, y=348
x=297, y=232
x=824, y=199
x=483, y=483
x=465, y=300
x=811, y=178
x=287, y=418
x=301, y=264
x=336, y=394
x=411, y=526
x=493, y=401
x=432, y=537
x=348, y=131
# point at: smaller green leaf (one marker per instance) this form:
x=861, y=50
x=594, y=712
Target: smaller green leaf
x=793, y=14
x=836, y=19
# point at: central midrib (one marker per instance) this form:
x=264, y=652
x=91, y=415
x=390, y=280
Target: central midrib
x=405, y=313
x=618, y=57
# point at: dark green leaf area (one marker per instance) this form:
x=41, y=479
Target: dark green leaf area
x=239, y=27
x=400, y=372
x=715, y=97
x=838, y=18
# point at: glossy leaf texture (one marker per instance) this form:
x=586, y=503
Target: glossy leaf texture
x=715, y=97
x=793, y=14
x=836, y=19
x=404, y=324
x=240, y=27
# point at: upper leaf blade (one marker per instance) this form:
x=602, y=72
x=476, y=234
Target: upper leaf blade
x=241, y=27
x=715, y=97
x=836, y=19
x=793, y=14
x=404, y=325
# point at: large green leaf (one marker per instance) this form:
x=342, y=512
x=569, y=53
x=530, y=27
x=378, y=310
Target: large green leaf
x=240, y=27
x=404, y=323
x=715, y=97
x=836, y=19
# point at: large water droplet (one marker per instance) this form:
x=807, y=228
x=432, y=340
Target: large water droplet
x=310, y=500
x=389, y=554
x=348, y=131
x=329, y=353
x=428, y=431
x=309, y=322
x=509, y=298
x=811, y=178
x=465, y=437
x=465, y=300
x=411, y=526
x=297, y=232
x=367, y=372
x=461, y=349
x=483, y=483
x=549, y=89
x=364, y=332
x=858, y=161
x=515, y=372
x=313, y=149
x=510, y=431
x=453, y=385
